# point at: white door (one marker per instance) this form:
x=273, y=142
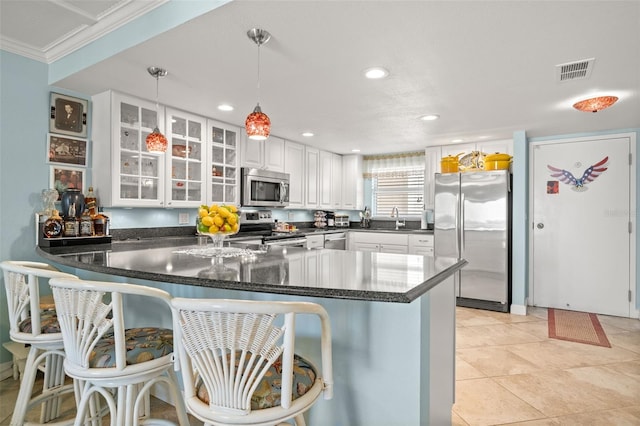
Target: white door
x=580, y=225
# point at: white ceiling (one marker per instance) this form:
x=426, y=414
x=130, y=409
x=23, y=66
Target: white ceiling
x=488, y=68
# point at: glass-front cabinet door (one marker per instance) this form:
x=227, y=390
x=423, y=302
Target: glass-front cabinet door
x=186, y=158
x=140, y=181
x=223, y=145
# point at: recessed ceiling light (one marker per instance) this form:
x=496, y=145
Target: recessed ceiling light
x=376, y=72
x=355, y=150
x=457, y=140
x=429, y=117
x=307, y=134
x=225, y=107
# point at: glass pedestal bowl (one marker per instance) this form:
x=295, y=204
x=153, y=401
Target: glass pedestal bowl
x=223, y=220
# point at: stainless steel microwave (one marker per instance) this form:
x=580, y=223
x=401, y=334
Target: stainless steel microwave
x=264, y=188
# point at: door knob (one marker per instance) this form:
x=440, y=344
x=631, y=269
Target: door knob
x=540, y=225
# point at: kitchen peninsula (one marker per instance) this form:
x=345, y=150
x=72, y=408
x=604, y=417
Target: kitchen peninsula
x=392, y=315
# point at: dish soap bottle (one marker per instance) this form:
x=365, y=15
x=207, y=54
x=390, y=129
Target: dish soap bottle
x=52, y=227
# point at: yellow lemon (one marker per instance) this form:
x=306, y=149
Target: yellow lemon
x=232, y=219
x=234, y=227
x=232, y=208
x=202, y=212
x=218, y=221
x=223, y=212
x=213, y=229
x=213, y=208
x=207, y=221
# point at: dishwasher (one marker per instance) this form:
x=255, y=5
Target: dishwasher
x=335, y=241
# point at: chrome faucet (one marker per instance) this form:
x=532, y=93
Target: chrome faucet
x=399, y=222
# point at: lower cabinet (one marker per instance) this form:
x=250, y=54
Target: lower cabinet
x=382, y=242
x=421, y=244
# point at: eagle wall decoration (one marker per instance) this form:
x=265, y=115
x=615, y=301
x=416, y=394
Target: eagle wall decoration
x=588, y=176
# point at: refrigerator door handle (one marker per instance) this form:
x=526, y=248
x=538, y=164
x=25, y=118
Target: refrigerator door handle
x=461, y=224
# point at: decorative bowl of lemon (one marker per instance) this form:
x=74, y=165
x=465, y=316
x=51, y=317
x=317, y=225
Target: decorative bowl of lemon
x=218, y=222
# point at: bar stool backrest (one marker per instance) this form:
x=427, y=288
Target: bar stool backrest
x=228, y=350
x=21, y=280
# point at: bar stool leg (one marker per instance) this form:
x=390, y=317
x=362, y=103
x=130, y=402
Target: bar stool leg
x=53, y=380
x=26, y=388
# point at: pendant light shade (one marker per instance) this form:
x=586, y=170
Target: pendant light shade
x=156, y=141
x=595, y=104
x=258, y=124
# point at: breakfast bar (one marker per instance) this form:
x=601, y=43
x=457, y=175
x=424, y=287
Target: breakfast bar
x=392, y=315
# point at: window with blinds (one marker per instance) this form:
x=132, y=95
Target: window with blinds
x=397, y=180
x=404, y=192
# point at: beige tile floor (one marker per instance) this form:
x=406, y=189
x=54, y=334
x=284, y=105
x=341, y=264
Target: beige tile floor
x=509, y=372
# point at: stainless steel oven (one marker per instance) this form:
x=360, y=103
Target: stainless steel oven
x=264, y=188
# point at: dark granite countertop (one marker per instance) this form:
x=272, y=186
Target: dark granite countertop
x=356, y=275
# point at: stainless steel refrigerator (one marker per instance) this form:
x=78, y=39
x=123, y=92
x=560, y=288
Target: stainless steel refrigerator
x=472, y=220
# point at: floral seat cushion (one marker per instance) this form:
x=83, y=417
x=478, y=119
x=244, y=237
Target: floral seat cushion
x=48, y=323
x=268, y=392
x=143, y=344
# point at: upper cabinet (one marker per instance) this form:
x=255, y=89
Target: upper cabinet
x=222, y=169
x=199, y=166
x=267, y=154
x=353, y=188
x=330, y=180
x=487, y=147
x=127, y=174
x=294, y=161
x=312, y=177
x=185, y=159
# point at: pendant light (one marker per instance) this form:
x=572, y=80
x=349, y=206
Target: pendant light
x=258, y=124
x=156, y=141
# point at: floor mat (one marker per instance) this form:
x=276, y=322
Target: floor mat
x=580, y=327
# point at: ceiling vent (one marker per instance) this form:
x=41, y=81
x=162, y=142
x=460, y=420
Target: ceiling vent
x=577, y=70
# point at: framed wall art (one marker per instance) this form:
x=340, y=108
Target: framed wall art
x=68, y=115
x=66, y=177
x=67, y=150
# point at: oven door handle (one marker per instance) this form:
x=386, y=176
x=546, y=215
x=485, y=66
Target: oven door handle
x=287, y=242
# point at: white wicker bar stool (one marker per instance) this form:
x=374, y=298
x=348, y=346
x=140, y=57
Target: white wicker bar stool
x=238, y=364
x=119, y=364
x=40, y=330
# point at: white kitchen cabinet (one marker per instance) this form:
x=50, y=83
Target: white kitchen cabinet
x=491, y=147
x=352, y=182
x=330, y=180
x=462, y=148
x=294, y=162
x=384, y=242
x=186, y=159
x=126, y=174
x=325, y=180
x=312, y=177
x=315, y=241
x=421, y=244
x=267, y=154
x=222, y=171
x=336, y=181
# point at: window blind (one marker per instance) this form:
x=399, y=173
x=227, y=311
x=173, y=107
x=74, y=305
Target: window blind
x=404, y=192
x=397, y=181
